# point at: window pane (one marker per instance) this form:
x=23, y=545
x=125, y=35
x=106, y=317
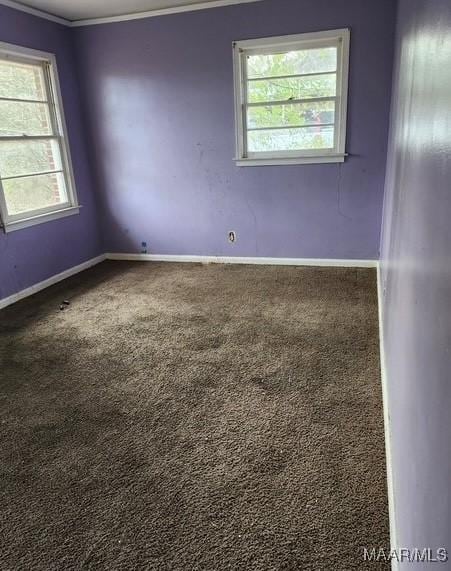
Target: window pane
x=292, y=63
x=27, y=157
x=18, y=118
x=294, y=114
x=291, y=139
x=292, y=88
x=33, y=193
x=21, y=81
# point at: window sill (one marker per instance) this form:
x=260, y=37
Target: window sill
x=253, y=162
x=40, y=219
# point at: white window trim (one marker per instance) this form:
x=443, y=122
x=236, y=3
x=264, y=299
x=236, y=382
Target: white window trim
x=31, y=218
x=243, y=48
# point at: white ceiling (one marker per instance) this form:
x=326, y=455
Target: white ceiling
x=76, y=10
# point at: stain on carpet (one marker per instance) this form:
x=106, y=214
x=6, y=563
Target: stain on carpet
x=185, y=417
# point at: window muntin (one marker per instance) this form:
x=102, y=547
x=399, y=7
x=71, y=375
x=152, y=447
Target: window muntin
x=35, y=172
x=291, y=95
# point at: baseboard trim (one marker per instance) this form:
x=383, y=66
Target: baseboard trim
x=244, y=260
x=50, y=281
x=188, y=259
x=387, y=423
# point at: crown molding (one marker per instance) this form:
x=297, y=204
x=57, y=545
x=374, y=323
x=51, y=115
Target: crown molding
x=122, y=17
x=161, y=12
x=35, y=12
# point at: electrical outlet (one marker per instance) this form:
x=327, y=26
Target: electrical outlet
x=143, y=247
x=232, y=236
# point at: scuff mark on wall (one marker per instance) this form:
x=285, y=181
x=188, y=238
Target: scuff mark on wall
x=340, y=212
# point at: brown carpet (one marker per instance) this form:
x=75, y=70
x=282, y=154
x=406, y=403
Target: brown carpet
x=189, y=417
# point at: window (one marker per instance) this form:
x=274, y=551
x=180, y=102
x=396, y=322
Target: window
x=36, y=181
x=291, y=98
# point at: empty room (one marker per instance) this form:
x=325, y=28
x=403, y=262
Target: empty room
x=225, y=290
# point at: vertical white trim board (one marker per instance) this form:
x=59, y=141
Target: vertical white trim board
x=344, y=263
x=50, y=281
x=387, y=424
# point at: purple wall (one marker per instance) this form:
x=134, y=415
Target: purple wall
x=159, y=104
x=159, y=93
x=31, y=255
x=416, y=264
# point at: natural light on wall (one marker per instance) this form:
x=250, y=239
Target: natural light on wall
x=35, y=175
x=291, y=98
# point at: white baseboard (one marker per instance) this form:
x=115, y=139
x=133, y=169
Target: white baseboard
x=50, y=281
x=245, y=260
x=387, y=424
x=197, y=259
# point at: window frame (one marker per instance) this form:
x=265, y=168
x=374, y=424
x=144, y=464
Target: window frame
x=48, y=63
x=332, y=38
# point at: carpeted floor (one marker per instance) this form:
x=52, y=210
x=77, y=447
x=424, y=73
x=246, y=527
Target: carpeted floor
x=187, y=417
